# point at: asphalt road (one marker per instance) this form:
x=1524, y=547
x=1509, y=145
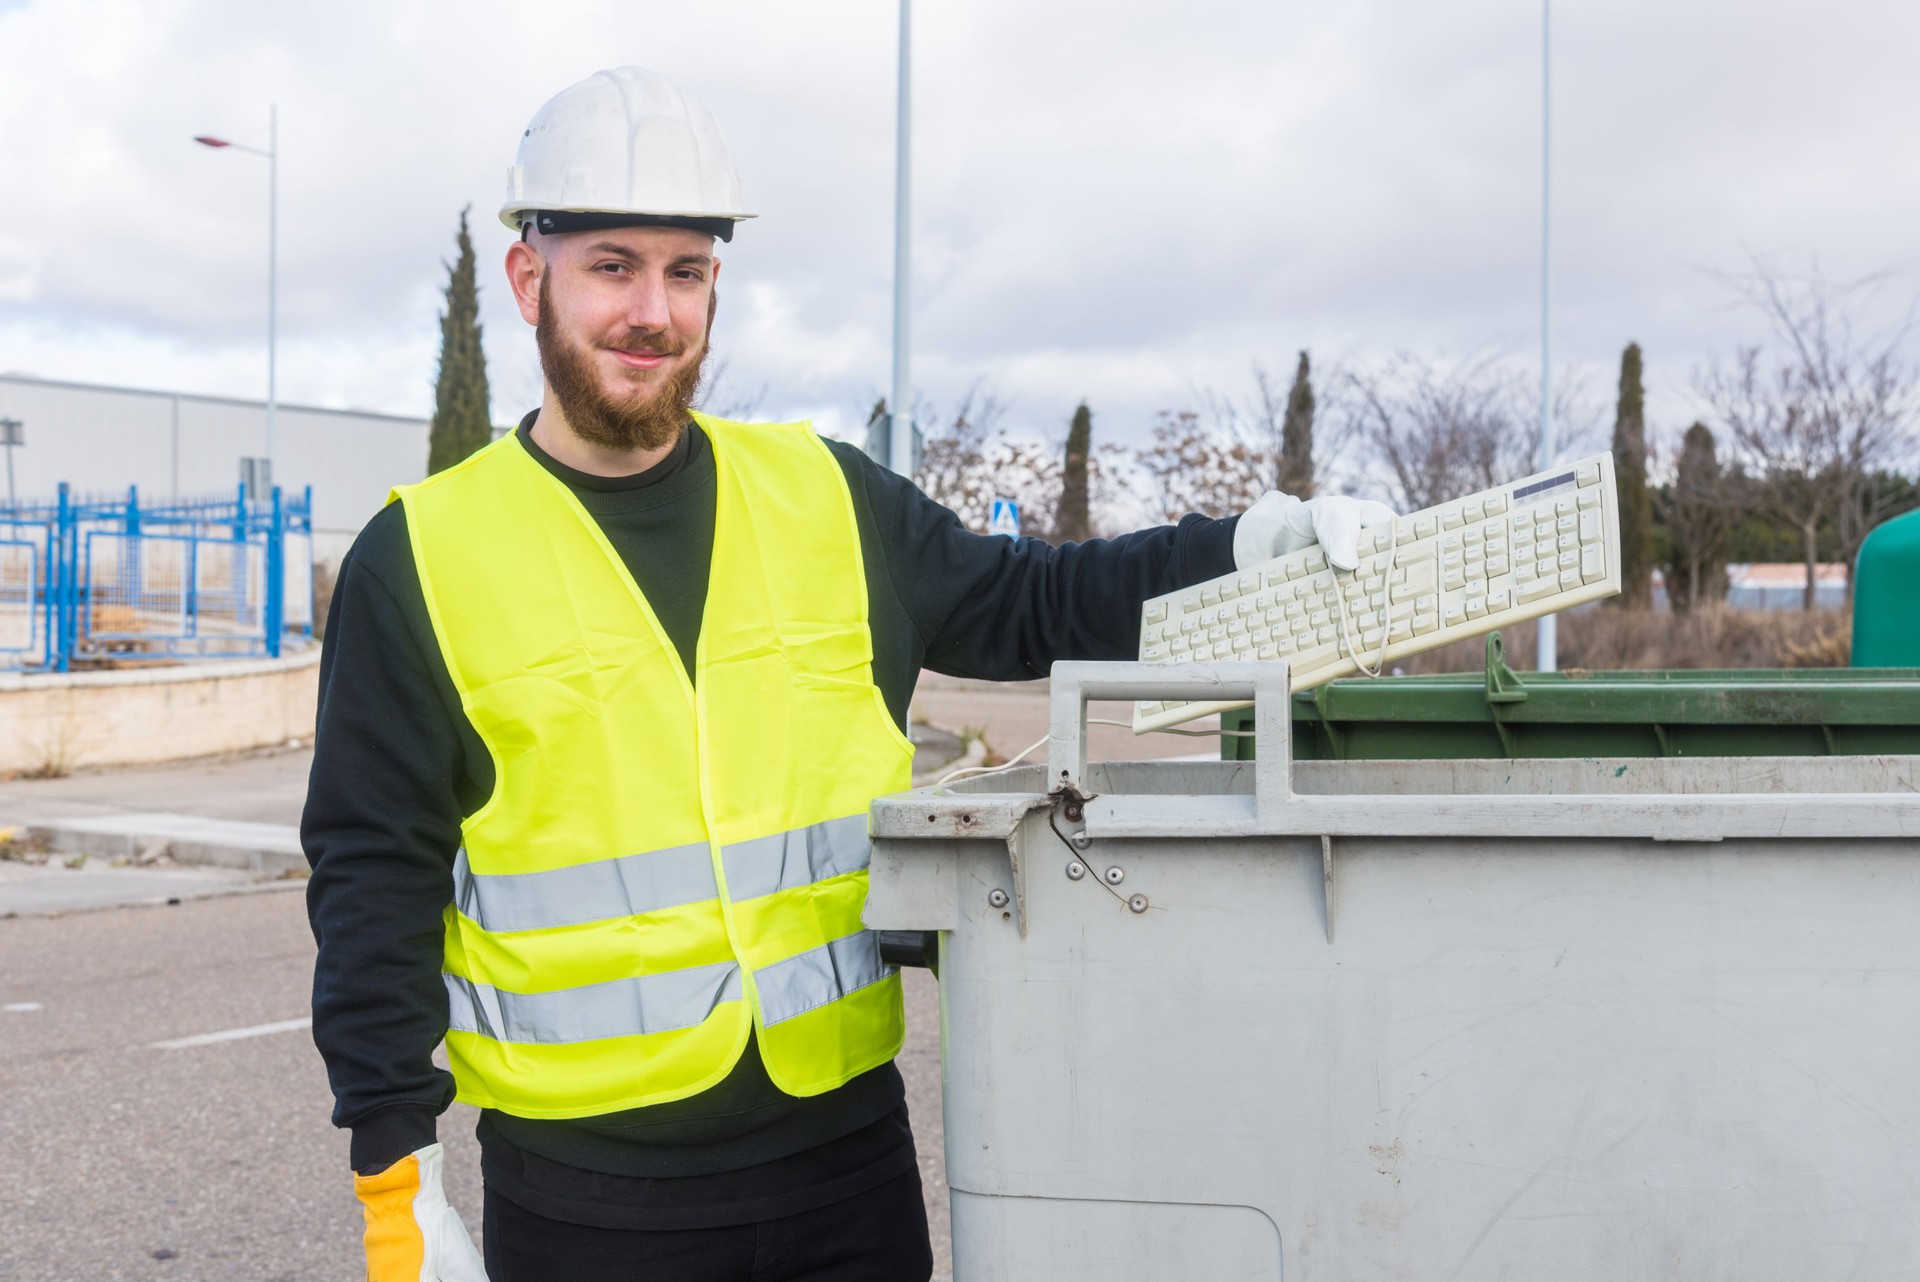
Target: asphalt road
x=215, y=1162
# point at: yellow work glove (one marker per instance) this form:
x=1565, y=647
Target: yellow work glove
x=412, y=1234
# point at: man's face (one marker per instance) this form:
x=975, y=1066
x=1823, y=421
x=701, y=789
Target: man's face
x=622, y=318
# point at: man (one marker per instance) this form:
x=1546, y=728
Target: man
x=602, y=710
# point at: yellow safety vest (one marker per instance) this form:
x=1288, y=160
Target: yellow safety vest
x=663, y=866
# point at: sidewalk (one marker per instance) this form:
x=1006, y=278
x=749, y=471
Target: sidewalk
x=155, y=834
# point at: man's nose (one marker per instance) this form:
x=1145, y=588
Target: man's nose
x=647, y=304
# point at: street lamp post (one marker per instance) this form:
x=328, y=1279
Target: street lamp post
x=272, y=154
x=900, y=418
x=1548, y=634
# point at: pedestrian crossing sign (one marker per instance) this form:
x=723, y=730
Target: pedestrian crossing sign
x=1005, y=519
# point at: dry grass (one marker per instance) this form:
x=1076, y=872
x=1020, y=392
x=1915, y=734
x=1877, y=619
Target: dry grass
x=1604, y=638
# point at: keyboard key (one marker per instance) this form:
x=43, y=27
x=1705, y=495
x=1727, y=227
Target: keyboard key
x=1249, y=583
x=1589, y=498
x=1590, y=526
x=1156, y=612
x=1569, y=579
x=1268, y=651
x=1476, y=537
x=1589, y=474
x=1563, y=507
x=1498, y=600
x=1496, y=565
x=1155, y=654
x=1476, y=606
x=1425, y=623
x=1534, y=589
x=1569, y=560
x=1229, y=590
x=1190, y=602
x=1243, y=645
x=1318, y=619
x=1567, y=524
x=1210, y=595
x=1406, y=534
x=1453, y=580
x=1593, y=564
x=1451, y=519
x=1568, y=542
x=1423, y=527
x=1496, y=504
x=1238, y=628
x=1400, y=630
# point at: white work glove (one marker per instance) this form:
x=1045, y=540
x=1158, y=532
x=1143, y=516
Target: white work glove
x=412, y=1234
x=1280, y=523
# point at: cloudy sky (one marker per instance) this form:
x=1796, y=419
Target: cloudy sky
x=1120, y=200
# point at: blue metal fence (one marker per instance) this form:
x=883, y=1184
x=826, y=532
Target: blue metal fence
x=85, y=580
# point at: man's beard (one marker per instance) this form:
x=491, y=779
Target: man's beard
x=649, y=422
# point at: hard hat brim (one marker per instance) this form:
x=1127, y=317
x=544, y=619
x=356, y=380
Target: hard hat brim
x=560, y=221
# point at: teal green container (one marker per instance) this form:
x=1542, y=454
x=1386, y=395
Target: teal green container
x=1754, y=712
x=1886, y=596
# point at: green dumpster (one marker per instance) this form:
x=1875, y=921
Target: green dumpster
x=1886, y=596
x=1751, y=712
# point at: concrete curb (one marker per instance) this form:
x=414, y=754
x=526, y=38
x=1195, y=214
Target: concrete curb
x=264, y=851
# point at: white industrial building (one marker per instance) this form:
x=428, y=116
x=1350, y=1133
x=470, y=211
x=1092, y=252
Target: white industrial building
x=102, y=439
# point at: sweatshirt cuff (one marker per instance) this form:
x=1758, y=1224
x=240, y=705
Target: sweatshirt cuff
x=383, y=1138
x=1207, y=548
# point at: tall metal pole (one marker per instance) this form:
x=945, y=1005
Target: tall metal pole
x=273, y=273
x=900, y=401
x=1549, y=635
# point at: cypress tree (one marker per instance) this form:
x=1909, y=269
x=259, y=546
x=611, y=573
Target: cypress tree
x=1630, y=475
x=1071, y=522
x=461, y=419
x=1296, y=437
x=1702, y=513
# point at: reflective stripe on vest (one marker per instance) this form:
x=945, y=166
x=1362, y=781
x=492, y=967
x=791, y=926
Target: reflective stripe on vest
x=665, y=865
x=635, y=884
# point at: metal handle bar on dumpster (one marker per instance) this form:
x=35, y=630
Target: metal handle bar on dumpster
x=1275, y=809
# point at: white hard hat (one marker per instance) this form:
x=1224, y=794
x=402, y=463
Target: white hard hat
x=623, y=147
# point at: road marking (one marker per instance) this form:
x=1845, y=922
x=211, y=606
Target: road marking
x=234, y=1034
x=21, y=1006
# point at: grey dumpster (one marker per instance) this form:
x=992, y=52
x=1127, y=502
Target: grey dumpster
x=1418, y=1019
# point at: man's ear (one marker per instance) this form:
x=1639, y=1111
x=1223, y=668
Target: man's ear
x=525, y=267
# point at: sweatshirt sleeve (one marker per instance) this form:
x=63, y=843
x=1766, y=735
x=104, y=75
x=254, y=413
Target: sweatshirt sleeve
x=380, y=830
x=1006, y=609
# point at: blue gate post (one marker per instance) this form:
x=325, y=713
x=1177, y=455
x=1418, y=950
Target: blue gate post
x=275, y=621
x=131, y=568
x=306, y=576
x=66, y=554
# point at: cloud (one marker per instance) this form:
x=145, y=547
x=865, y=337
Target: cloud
x=1121, y=200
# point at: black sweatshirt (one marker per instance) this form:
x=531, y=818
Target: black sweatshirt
x=397, y=766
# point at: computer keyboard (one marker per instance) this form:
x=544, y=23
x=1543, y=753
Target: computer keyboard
x=1455, y=570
